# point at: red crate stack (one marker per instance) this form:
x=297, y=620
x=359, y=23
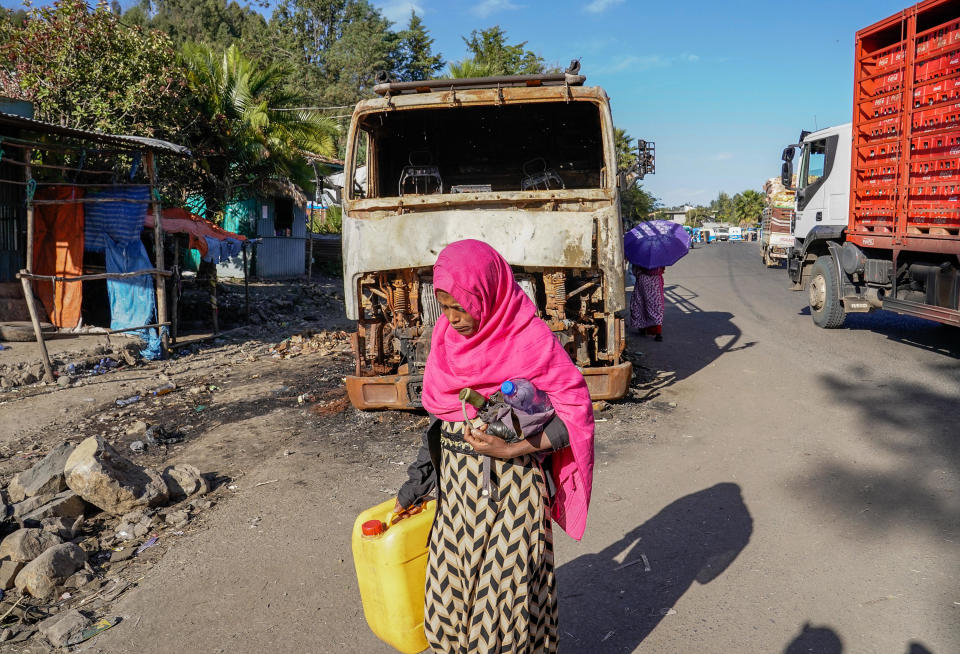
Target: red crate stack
x=906, y=129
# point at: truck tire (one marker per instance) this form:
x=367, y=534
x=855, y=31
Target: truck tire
x=825, y=306
x=22, y=331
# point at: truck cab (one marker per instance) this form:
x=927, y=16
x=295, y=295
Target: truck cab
x=524, y=163
x=822, y=194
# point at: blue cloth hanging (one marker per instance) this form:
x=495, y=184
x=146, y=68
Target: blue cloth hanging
x=120, y=222
x=132, y=299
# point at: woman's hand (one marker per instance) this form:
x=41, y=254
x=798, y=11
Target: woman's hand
x=489, y=445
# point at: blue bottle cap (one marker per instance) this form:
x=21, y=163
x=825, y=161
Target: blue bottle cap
x=508, y=388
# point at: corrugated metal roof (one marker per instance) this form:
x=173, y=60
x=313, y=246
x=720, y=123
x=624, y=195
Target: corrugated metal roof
x=132, y=142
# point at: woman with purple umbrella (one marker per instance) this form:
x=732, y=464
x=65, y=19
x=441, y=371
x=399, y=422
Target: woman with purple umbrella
x=650, y=247
x=646, y=304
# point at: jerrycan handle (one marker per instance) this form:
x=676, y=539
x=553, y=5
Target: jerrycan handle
x=406, y=513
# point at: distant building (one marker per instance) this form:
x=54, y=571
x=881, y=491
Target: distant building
x=677, y=214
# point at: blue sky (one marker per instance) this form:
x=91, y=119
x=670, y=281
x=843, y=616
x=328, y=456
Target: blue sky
x=720, y=87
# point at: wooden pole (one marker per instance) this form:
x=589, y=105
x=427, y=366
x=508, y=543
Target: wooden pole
x=28, y=267
x=246, y=283
x=35, y=319
x=158, y=251
x=28, y=175
x=213, y=299
x=175, y=309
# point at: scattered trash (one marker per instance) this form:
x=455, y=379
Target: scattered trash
x=133, y=399
x=96, y=628
x=668, y=611
x=264, y=483
x=605, y=638
x=138, y=447
x=199, y=407
x=148, y=544
x=163, y=389
x=157, y=435
x=232, y=487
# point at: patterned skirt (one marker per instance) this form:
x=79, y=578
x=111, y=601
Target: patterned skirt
x=490, y=577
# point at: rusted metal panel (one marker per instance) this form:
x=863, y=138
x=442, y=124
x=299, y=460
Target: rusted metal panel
x=524, y=238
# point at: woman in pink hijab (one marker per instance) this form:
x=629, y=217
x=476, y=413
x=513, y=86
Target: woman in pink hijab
x=490, y=578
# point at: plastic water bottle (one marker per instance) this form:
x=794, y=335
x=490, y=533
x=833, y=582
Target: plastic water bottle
x=522, y=395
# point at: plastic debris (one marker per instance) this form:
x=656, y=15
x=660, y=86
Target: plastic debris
x=97, y=627
x=133, y=399
x=148, y=544
x=163, y=389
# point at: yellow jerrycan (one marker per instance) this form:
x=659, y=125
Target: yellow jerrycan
x=390, y=555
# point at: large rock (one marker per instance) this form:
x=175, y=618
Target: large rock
x=27, y=544
x=64, y=505
x=61, y=627
x=184, y=480
x=45, y=478
x=41, y=576
x=8, y=572
x=29, y=505
x=104, y=478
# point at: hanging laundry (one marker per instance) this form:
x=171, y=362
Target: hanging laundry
x=58, y=241
x=121, y=221
x=132, y=299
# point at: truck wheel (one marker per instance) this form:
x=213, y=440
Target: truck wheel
x=825, y=305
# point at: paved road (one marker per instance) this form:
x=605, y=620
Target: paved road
x=801, y=497
x=780, y=489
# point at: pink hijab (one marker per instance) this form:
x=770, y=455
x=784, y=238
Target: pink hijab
x=510, y=341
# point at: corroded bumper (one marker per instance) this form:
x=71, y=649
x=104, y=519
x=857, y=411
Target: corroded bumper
x=403, y=391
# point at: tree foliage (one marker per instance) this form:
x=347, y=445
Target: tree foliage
x=742, y=209
x=219, y=23
x=415, y=57
x=248, y=134
x=82, y=69
x=490, y=50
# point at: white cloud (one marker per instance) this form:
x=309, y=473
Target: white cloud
x=600, y=6
x=488, y=7
x=722, y=156
x=398, y=11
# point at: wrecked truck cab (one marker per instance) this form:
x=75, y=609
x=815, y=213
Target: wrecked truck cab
x=524, y=163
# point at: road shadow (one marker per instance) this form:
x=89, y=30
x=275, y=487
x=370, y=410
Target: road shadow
x=610, y=601
x=824, y=640
x=693, y=339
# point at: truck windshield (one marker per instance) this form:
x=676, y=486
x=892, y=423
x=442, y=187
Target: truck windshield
x=513, y=147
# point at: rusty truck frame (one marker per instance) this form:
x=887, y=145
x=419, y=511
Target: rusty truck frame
x=524, y=163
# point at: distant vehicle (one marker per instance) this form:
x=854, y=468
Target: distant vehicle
x=877, y=223
x=777, y=239
x=723, y=233
x=707, y=235
x=735, y=234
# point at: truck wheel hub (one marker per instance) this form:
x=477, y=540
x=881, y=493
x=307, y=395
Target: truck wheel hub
x=818, y=293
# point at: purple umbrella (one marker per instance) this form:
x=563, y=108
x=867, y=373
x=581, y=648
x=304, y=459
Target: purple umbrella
x=656, y=243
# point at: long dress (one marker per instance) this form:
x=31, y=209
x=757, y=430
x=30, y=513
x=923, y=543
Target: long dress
x=490, y=577
x=646, y=303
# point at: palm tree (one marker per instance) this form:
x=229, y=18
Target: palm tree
x=251, y=130
x=469, y=68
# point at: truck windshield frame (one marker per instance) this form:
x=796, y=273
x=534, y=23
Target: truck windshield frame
x=532, y=147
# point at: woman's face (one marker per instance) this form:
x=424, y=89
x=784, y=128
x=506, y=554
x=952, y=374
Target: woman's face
x=459, y=319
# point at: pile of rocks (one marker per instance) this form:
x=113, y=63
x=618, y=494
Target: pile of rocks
x=70, y=366
x=323, y=342
x=50, y=514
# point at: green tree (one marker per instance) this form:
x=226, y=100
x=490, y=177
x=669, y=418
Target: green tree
x=699, y=215
x=416, y=59
x=82, y=68
x=723, y=208
x=250, y=133
x=468, y=68
x=747, y=207
x=489, y=48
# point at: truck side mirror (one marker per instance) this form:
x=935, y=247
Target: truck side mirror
x=786, y=174
x=788, y=153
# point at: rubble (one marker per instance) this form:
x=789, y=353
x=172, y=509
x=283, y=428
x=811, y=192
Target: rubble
x=25, y=545
x=309, y=342
x=63, y=505
x=184, y=480
x=104, y=478
x=62, y=627
x=8, y=572
x=41, y=576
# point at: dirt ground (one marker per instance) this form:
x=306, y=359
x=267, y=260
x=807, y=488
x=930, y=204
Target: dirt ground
x=767, y=486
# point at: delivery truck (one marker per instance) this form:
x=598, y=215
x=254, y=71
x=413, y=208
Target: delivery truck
x=877, y=222
x=525, y=163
